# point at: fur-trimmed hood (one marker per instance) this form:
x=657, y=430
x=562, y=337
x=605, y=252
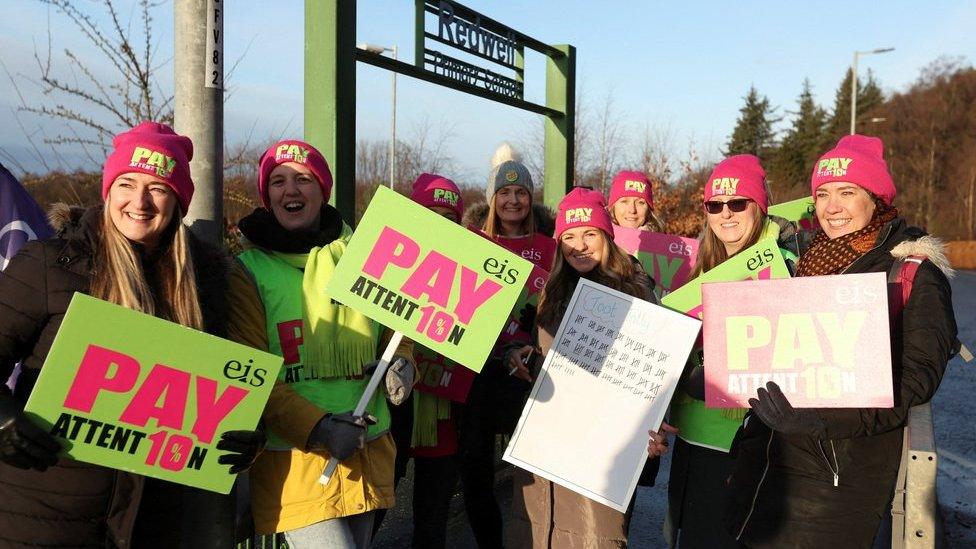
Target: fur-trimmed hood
x=476, y=215
x=928, y=246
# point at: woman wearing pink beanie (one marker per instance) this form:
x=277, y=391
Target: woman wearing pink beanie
x=631, y=202
x=735, y=202
x=544, y=514
x=293, y=245
x=510, y=219
x=830, y=473
x=132, y=250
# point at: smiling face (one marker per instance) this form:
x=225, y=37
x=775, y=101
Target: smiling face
x=295, y=197
x=583, y=248
x=733, y=228
x=512, y=204
x=630, y=212
x=141, y=207
x=843, y=208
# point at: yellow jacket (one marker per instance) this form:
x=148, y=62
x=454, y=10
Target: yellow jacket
x=285, y=491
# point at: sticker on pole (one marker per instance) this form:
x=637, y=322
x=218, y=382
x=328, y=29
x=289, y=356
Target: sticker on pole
x=444, y=286
x=823, y=339
x=133, y=392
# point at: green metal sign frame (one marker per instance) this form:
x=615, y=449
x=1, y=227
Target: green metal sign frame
x=330, y=83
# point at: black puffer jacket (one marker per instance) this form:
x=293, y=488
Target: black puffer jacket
x=797, y=491
x=76, y=504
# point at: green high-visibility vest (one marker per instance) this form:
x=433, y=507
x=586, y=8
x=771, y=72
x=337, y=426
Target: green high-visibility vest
x=280, y=286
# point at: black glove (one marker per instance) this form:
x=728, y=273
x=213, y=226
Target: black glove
x=23, y=444
x=777, y=413
x=398, y=380
x=340, y=434
x=244, y=447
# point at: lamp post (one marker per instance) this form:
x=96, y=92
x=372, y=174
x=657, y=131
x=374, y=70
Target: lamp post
x=854, y=81
x=373, y=48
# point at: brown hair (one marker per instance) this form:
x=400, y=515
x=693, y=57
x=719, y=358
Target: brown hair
x=711, y=250
x=616, y=270
x=493, y=224
x=119, y=276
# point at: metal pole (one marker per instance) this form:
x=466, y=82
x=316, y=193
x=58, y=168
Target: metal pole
x=854, y=92
x=560, y=130
x=198, y=107
x=330, y=93
x=393, y=127
x=198, y=113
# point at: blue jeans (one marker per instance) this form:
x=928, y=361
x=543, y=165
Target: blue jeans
x=352, y=532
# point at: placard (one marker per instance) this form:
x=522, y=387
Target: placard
x=130, y=391
x=440, y=284
x=606, y=381
x=823, y=339
x=761, y=261
x=667, y=258
x=800, y=211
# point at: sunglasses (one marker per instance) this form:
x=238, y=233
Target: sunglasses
x=735, y=206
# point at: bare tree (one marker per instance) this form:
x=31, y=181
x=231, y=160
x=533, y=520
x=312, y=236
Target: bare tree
x=95, y=109
x=653, y=154
x=610, y=143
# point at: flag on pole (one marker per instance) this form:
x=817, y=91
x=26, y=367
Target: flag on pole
x=21, y=219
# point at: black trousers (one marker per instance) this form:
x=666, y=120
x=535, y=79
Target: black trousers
x=494, y=406
x=697, y=496
x=435, y=480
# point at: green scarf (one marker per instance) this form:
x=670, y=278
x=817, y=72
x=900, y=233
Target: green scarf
x=428, y=409
x=338, y=339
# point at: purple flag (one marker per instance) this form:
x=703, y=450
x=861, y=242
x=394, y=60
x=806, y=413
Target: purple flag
x=21, y=219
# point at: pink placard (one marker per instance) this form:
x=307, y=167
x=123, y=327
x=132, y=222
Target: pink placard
x=824, y=340
x=668, y=258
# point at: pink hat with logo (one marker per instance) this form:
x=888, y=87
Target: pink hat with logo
x=435, y=190
x=631, y=183
x=155, y=149
x=300, y=152
x=583, y=208
x=857, y=159
x=739, y=175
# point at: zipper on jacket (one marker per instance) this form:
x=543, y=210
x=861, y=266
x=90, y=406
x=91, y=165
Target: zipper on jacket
x=755, y=495
x=835, y=467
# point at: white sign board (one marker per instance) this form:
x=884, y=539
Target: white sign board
x=606, y=381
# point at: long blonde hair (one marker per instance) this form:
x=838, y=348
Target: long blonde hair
x=119, y=276
x=711, y=249
x=616, y=270
x=493, y=224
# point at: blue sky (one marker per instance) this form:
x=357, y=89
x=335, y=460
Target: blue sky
x=682, y=66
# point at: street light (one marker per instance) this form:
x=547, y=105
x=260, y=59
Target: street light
x=373, y=48
x=854, y=81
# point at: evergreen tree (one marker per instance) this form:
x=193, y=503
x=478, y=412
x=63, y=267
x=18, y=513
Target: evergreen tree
x=801, y=144
x=868, y=96
x=753, y=133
